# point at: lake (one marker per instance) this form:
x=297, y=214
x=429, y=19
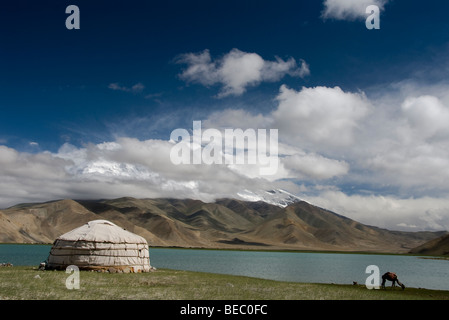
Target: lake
x=283, y=266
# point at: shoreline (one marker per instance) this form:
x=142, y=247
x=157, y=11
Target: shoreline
x=441, y=257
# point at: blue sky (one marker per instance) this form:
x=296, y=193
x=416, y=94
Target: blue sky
x=371, y=141
x=54, y=78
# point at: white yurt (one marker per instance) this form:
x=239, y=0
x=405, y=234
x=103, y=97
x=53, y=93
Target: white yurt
x=100, y=245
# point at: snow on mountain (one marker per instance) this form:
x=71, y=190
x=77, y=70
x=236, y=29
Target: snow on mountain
x=119, y=170
x=277, y=197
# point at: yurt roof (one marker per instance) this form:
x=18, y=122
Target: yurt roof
x=102, y=231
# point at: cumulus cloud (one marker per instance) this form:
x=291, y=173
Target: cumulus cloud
x=315, y=167
x=349, y=9
x=126, y=166
x=319, y=118
x=401, y=143
x=407, y=145
x=237, y=70
x=410, y=214
x=427, y=116
x=28, y=177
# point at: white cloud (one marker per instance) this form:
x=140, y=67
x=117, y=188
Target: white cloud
x=411, y=214
x=319, y=118
x=349, y=9
x=126, y=166
x=315, y=167
x=30, y=166
x=137, y=88
x=406, y=145
x=237, y=70
x=427, y=116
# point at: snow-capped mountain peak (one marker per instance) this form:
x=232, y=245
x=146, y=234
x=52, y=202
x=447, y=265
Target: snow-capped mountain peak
x=277, y=197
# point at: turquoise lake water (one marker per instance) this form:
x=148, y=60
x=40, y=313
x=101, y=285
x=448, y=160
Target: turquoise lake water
x=284, y=266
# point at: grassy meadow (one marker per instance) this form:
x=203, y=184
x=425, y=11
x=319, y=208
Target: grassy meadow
x=28, y=283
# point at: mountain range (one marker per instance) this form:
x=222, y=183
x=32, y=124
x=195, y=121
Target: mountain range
x=226, y=223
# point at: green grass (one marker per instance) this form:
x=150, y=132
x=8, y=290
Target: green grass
x=28, y=283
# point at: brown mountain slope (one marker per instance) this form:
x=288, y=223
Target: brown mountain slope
x=226, y=223
x=43, y=222
x=304, y=226
x=436, y=247
x=146, y=219
x=10, y=232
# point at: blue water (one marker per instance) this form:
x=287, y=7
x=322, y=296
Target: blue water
x=284, y=266
x=306, y=267
x=24, y=255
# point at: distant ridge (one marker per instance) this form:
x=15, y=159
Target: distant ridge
x=225, y=223
x=436, y=247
